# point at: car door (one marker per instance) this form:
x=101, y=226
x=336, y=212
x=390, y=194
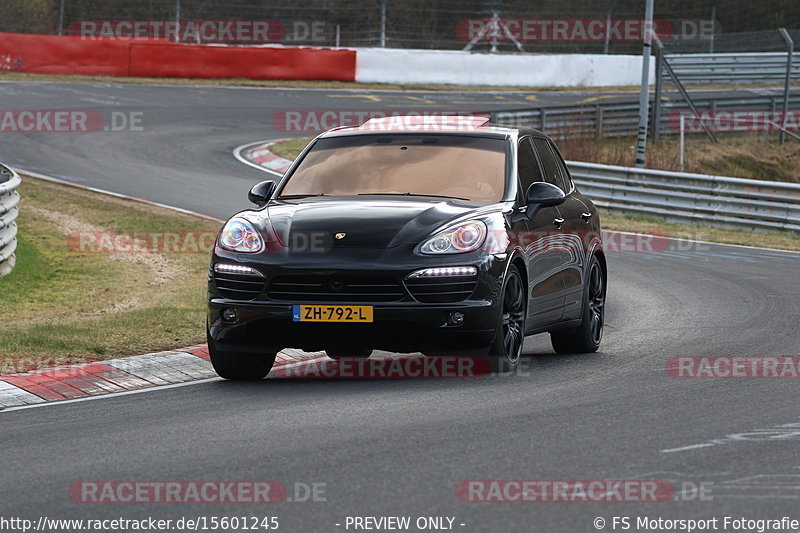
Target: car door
x=542, y=245
x=573, y=212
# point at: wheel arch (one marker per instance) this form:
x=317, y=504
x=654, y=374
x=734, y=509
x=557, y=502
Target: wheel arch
x=601, y=256
x=523, y=271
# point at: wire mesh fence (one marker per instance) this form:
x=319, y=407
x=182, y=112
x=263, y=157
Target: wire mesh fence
x=544, y=26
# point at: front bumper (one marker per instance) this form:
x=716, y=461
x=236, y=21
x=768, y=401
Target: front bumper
x=404, y=326
x=397, y=328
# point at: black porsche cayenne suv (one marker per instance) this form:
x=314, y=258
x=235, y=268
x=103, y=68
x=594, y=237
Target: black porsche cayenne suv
x=409, y=236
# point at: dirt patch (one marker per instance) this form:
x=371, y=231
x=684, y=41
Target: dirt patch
x=161, y=271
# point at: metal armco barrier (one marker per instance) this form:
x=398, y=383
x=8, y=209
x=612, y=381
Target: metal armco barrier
x=9, y=202
x=760, y=67
x=691, y=198
x=619, y=120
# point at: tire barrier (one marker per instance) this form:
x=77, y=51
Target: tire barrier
x=9, y=209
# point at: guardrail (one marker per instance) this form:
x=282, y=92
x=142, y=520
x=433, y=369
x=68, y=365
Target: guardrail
x=618, y=120
x=691, y=198
x=761, y=67
x=9, y=202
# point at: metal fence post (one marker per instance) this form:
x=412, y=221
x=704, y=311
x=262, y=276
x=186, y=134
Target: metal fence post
x=773, y=106
x=713, y=26
x=61, y=17
x=657, y=96
x=787, y=85
x=608, y=24
x=177, y=20
x=599, y=122
x=644, y=94
x=383, y=23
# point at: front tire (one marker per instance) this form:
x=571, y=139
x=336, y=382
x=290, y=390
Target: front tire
x=509, y=337
x=586, y=337
x=240, y=366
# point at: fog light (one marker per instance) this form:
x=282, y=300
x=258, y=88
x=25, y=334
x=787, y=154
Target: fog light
x=456, y=319
x=229, y=315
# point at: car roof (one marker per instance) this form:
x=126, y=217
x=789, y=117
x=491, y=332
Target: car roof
x=434, y=124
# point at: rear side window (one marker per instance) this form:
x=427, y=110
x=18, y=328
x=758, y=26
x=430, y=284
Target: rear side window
x=528, y=168
x=552, y=172
x=562, y=167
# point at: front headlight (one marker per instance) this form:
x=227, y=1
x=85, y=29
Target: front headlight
x=239, y=235
x=461, y=238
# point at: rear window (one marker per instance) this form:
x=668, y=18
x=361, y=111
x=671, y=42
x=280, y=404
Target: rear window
x=466, y=167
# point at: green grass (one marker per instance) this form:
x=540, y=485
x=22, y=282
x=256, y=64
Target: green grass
x=762, y=239
x=290, y=148
x=66, y=304
x=749, y=156
x=29, y=275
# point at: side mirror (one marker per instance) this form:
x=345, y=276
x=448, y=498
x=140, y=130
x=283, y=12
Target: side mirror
x=261, y=192
x=542, y=194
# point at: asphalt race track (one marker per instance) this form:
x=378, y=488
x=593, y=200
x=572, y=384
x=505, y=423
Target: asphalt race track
x=400, y=447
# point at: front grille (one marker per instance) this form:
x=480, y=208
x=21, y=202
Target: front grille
x=335, y=289
x=441, y=289
x=238, y=287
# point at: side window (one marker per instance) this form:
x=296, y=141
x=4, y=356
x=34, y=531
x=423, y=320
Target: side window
x=528, y=168
x=562, y=167
x=552, y=174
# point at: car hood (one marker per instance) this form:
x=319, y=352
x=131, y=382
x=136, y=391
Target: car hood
x=364, y=223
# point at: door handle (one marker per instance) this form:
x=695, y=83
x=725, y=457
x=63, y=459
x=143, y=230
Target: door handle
x=586, y=216
x=558, y=222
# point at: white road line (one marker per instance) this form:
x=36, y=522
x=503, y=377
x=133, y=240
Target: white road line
x=687, y=448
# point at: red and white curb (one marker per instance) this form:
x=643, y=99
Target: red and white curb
x=261, y=155
x=117, y=375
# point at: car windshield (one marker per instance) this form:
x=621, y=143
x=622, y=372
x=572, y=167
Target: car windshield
x=466, y=167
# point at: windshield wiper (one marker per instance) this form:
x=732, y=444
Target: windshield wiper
x=295, y=196
x=410, y=194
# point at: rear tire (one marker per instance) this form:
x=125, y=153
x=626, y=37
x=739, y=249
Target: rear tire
x=586, y=337
x=337, y=354
x=506, y=349
x=240, y=366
